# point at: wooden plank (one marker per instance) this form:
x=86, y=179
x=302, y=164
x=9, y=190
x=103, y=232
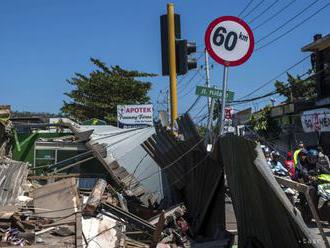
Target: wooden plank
x=292, y=184
x=79, y=234
x=159, y=228
x=95, y=197
x=57, y=200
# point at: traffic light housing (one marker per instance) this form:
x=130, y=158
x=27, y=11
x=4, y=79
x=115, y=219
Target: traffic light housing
x=183, y=48
x=164, y=40
x=184, y=62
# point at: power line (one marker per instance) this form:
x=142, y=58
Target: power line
x=287, y=85
x=253, y=9
x=245, y=8
x=203, y=107
x=189, y=81
x=173, y=162
x=276, y=77
x=181, y=80
x=294, y=27
x=193, y=104
x=286, y=22
x=192, y=88
x=263, y=12
x=274, y=15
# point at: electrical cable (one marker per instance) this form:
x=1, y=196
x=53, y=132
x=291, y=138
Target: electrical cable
x=193, y=104
x=287, y=85
x=253, y=9
x=294, y=27
x=184, y=76
x=264, y=11
x=286, y=22
x=173, y=162
x=276, y=77
x=274, y=15
x=188, y=82
x=246, y=7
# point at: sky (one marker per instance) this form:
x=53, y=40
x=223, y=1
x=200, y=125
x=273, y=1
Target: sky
x=43, y=42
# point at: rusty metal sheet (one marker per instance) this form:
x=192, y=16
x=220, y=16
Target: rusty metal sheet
x=265, y=216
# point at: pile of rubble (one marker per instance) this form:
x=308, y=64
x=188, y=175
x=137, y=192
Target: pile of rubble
x=141, y=197
x=58, y=214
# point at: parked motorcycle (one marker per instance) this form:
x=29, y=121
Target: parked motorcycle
x=321, y=199
x=290, y=193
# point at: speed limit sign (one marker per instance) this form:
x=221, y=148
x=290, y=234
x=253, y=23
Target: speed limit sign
x=229, y=40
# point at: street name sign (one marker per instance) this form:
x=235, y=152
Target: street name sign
x=229, y=41
x=213, y=92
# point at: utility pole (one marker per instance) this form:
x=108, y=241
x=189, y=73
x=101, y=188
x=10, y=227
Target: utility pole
x=207, y=71
x=210, y=104
x=223, y=102
x=172, y=63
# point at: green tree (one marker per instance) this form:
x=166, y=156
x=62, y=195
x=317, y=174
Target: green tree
x=296, y=89
x=98, y=94
x=264, y=124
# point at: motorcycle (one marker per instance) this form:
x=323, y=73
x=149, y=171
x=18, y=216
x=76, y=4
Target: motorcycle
x=290, y=193
x=323, y=192
x=321, y=199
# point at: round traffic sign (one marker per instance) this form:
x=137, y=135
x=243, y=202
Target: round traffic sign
x=229, y=40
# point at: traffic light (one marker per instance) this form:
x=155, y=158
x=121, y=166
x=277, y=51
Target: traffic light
x=183, y=48
x=184, y=62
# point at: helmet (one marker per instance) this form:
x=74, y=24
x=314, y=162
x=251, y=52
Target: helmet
x=303, y=152
x=312, y=153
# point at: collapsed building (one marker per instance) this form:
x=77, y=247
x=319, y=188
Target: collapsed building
x=102, y=186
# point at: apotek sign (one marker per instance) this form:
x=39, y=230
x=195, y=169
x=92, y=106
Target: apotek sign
x=229, y=41
x=133, y=116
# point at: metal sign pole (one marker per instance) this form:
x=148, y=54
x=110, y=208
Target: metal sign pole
x=224, y=93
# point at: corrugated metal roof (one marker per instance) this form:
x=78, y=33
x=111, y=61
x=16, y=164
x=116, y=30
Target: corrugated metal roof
x=12, y=175
x=126, y=157
x=194, y=175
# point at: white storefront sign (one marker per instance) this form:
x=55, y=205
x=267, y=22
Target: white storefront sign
x=316, y=120
x=133, y=116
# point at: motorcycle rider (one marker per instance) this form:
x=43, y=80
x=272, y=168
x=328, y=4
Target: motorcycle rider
x=323, y=159
x=276, y=165
x=296, y=153
x=303, y=167
x=289, y=164
x=308, y=169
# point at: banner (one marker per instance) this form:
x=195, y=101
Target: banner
x=316, y=120
x=134, y=116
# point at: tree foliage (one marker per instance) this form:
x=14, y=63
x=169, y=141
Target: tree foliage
x=98, y=94
x=296, y=89
x=264, y=124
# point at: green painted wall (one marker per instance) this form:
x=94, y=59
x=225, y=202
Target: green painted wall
x=26, y=153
